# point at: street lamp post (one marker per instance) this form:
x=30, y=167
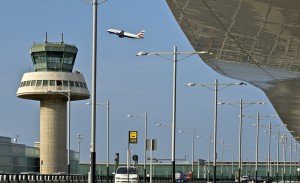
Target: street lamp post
x=258, y=117
x=145, y=116
x=107, y=135
x=175, y=53
x=223, y=145
x=216, y=89
x=278, y=134
x=241, y=103
x=94, y=93
x=269, y=147
x=208, y=155
x=232, y=146
x=284, y=155
x=193, y=144
x=66, y=93
x=79, y=139
x=291, y=159
x=107, y=141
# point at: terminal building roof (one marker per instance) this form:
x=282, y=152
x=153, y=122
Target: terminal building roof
x=251, y=40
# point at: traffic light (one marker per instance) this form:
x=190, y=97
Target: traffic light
x=116, y=161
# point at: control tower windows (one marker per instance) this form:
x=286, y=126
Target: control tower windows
x=27, y=83
x=33, y=82
x=52, y=82
x=72, y=83
x=65, y=83
x=58, y=83
x=45, y=82
x=39, y=83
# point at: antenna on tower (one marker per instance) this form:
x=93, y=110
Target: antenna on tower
x=46, y=38
x=62, y=38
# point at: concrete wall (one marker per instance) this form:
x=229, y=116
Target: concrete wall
x=53, y=152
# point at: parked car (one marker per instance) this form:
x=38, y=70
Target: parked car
x=121, y=174
x=245, y=178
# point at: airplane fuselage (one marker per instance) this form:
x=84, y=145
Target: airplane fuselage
x=123, y=34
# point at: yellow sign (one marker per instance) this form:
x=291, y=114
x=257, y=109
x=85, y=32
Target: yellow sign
x=133, y=137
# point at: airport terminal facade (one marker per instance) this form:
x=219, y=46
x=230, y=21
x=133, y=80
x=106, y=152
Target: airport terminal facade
x=17, y=158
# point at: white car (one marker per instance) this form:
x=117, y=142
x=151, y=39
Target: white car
x=121, y=175
x=244, y=178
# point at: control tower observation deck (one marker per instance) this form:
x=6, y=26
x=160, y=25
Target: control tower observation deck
x=52, y=83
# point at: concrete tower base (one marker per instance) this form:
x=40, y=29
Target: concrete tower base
x=53, y=152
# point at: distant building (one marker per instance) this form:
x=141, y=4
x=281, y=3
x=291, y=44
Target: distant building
x=17, y=158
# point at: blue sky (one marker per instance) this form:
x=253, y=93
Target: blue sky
x=134, y=85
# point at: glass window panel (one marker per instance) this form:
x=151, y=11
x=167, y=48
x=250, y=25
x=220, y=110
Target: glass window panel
x=18, y=150
x=6, y=160
x=58, y=83
x=38, y=82
x=76, y=84
x=65, y=83
x=27, y=83
x=33, y=82
x=72, y=83
x=80, y=84
x=19, y=160
x=5, y=149
x=45, y=82
x=52, y=82
x=84, y=85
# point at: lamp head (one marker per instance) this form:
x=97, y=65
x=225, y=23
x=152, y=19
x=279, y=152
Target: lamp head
x=190, y=84
x=141, y=53
x=88, y=103
x=241, y=83
x=129, y=115
x=260, y=103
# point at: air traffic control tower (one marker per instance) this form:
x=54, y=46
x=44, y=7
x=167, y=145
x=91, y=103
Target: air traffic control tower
x=51, y=84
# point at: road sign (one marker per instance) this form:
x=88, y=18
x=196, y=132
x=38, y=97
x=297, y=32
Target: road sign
x=154, y=144
x=133, y=137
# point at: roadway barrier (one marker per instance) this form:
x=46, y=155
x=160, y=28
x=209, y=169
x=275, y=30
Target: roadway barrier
x=44, y=177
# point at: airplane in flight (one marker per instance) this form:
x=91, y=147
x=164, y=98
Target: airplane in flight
x=123, y=34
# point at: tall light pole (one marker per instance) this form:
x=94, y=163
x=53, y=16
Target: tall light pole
x=216, y=89
x=284, y=142
x=94, y=84
x=107, y=135
x=107, y=141
x=66, y=93
x=223, y=146
x=241, y=103
x=208, y=155
x=79, y=139
x=278, y=135
x=193, y=144
x=291, y=159
x=232, y=146
x=269, y=147
x=284, y=139
x=175, y=53
x=258, y=117
x=145, y=116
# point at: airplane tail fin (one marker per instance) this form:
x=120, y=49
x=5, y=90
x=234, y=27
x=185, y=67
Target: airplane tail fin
x=141, y=34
